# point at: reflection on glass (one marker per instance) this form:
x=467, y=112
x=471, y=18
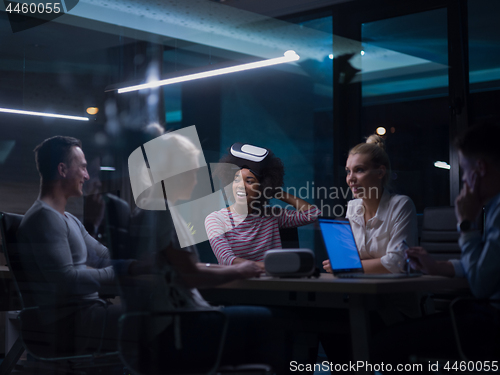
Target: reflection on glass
x=405, y=58
x=484, y=38
x=404, y=82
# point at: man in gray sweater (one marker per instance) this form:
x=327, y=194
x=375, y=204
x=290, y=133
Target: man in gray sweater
x=64, y=265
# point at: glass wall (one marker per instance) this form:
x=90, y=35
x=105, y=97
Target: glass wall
x=400, y=65
x=484, y=60
x=404, y=78
x=79, y=60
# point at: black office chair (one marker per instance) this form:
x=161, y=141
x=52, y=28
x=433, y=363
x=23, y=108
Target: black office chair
x=477, y=344
x=473, y=343
x=439, y=233
x=162, y=342
x=9, y=223
x=42, y=342
x=117, y=213
x=289, y=238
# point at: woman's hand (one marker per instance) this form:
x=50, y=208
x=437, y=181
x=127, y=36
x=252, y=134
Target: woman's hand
x=326, y=266
x=297, y=203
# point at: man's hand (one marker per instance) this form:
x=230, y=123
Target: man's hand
x=248, y=269
x=420, y=260
x=261, y=266
x=326, y=266
x=242, y=260
x=468, y=204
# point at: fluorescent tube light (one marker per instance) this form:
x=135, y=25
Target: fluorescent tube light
x=288, y=57
x=19, y=112
x=110, y=169
x=442, y=164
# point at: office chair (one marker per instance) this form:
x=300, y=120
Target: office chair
x=289, y=238
x=480, y=349
x=478, y=346
x=9, y=223
x=439, y=237
x=439, y=233
x=117, y=213
x=163, y=342
x=41, y=342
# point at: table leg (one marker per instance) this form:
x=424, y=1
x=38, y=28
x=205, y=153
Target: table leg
x=12, y=357
x=360, y=330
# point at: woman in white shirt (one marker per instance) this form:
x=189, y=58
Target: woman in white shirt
x=380, y=220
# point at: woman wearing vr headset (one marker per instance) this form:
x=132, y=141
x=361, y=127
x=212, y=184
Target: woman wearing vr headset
x=177, y=273
x=384, y=224
x=249, y=226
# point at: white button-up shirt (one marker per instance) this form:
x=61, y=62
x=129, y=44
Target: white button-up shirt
x=382, y=235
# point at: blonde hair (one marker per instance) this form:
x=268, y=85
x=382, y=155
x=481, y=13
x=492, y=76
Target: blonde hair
x=177, y=152
x=375, y=148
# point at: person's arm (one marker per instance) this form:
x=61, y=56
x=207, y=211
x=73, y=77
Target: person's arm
x=195, y=275
x=297, y=203
x=303, y=214
x=374, y=266
x=481, y=261
x=238, y=260
x=47, y=235
x=480, y=255
x=327, y=266
x=221, y=246
x=421, y=261
x=98, y=257
x=369, y=266
x=216, y=236
x=403, y=227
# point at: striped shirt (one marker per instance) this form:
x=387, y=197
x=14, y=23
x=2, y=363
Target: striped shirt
x=254, y=235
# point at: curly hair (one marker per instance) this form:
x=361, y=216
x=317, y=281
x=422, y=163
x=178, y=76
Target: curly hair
x=270, y=181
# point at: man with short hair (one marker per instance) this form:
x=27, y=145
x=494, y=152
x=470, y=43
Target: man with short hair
x=478, y=150
x=64, y=265
x=433, y=336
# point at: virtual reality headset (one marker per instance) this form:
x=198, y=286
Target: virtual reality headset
x=247, y=156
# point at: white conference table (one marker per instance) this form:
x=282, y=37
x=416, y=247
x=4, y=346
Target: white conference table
x=359, y=296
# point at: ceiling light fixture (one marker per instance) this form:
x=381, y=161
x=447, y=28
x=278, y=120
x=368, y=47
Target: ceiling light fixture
x=289, y=56
x=442, y=164
x=92, y=110
x=31, y=113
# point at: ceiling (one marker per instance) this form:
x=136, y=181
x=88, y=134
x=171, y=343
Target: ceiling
x=279, y=8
